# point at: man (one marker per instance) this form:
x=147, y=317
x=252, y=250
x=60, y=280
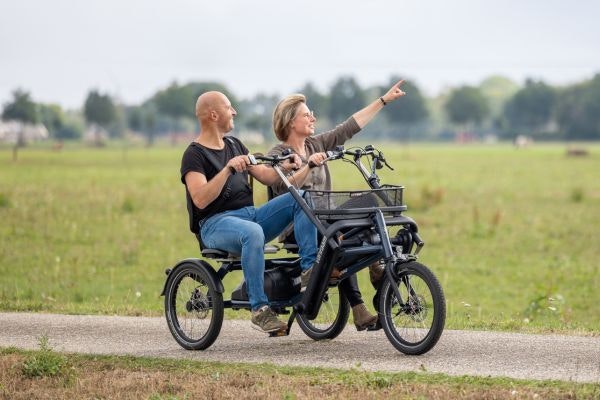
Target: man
x=215, y=172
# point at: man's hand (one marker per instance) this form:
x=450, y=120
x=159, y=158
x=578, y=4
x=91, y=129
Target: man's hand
x=239, y=163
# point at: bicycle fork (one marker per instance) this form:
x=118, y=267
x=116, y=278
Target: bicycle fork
x=388, y=253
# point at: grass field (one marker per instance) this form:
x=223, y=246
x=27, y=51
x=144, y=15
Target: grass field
x=512, y=234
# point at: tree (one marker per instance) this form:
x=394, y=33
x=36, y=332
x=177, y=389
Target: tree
x=578, y=110
x=466, y=105
x=256, y=114
x=53, y=117
x=177, y=102
x=345, y=98
x=531, y=108
x=21, y=109
x=99, y=111
x=497, y=90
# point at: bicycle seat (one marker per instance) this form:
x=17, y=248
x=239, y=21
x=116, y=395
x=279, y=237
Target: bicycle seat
x=218, y=254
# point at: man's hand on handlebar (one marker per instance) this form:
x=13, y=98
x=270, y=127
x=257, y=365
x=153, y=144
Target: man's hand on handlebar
x=238, y=164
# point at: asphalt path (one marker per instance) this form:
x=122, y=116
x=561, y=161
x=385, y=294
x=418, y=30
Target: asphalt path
x=556, y=357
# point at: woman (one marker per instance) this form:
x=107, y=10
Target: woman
x=294, y=126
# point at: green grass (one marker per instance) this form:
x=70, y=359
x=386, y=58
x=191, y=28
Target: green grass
x=511, y=234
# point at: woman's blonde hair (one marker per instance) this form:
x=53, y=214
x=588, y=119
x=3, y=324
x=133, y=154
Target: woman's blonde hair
x=284, y=113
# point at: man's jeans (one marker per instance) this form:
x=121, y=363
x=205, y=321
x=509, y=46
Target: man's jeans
x=246, y=230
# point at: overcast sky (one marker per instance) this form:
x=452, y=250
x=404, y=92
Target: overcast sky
x=60, y=49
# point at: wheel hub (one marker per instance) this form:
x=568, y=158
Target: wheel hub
x=198, y=303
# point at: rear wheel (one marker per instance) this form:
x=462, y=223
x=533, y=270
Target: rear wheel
x=193, y=307
x=332, y=317
x=413, y=323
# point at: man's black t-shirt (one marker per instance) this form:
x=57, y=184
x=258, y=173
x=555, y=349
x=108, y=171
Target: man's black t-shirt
x=236, y=192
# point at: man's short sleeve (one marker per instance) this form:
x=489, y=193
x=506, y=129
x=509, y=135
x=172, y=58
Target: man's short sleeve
x=192, y=160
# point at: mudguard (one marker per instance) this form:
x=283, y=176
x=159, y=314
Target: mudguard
x=200, y=264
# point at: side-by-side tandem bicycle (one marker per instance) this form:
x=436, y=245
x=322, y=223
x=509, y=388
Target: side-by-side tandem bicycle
x=356, y=228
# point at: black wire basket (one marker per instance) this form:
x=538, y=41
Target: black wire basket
x=331, y=204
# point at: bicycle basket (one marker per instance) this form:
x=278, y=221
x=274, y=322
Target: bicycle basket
x=347, y=204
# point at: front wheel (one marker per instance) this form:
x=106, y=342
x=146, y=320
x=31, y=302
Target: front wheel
x=193, y=307
x=413, y=323
x=332, y=317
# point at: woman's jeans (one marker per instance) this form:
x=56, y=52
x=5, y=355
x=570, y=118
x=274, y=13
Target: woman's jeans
x=246, y=230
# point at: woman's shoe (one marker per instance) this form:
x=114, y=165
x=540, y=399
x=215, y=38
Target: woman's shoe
x=362, y=317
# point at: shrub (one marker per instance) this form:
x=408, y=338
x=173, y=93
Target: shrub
x=44, y=363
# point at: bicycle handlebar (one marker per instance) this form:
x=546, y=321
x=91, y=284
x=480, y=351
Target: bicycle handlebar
x=272, y=160
x=358, y=153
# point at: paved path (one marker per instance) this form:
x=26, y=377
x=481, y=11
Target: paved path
x=457, y=353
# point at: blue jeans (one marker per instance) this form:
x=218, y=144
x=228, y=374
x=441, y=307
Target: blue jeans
x=246, y=230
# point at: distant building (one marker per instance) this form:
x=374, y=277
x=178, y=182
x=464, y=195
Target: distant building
x=11, y=131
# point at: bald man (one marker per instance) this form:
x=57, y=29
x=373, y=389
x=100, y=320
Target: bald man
x=221, y=207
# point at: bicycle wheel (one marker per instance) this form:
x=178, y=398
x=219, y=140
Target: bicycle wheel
x=413, y=323
x=193, y=307
x=332, y=317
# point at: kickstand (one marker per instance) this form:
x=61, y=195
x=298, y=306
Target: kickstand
x=285, y=332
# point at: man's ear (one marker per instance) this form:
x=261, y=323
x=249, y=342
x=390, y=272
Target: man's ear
x=213, y=115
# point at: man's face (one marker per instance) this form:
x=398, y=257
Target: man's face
x=225, y=112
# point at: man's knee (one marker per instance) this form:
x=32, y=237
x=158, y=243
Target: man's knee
x=253, y=235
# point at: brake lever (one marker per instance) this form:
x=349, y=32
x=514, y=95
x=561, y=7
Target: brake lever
x=382, y=158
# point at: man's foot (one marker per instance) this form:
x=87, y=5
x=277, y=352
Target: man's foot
x=304, y=279
x=362, y=317
x=265, y=320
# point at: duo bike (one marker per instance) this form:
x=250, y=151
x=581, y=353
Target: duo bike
x=355, y=230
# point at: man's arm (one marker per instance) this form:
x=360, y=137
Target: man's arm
x=204, y=192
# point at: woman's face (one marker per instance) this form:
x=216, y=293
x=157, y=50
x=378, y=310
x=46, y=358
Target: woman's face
x=303, y=123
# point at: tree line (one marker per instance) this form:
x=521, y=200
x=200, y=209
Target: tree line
x=498, y=106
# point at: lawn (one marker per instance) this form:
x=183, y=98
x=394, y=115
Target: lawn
x=511, y=234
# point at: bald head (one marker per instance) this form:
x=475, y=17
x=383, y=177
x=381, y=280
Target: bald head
x=213, y=109
x=208, y=102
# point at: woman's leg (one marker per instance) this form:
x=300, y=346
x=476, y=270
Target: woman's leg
x=361, y=315
x=349, y=287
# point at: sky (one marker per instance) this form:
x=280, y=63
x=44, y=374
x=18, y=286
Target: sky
x=60, y=49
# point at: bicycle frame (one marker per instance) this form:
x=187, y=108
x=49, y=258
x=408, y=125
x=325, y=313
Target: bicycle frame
x=335, y=252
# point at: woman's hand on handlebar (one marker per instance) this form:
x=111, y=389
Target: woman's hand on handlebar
x=317, y=159
x=292, y=163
